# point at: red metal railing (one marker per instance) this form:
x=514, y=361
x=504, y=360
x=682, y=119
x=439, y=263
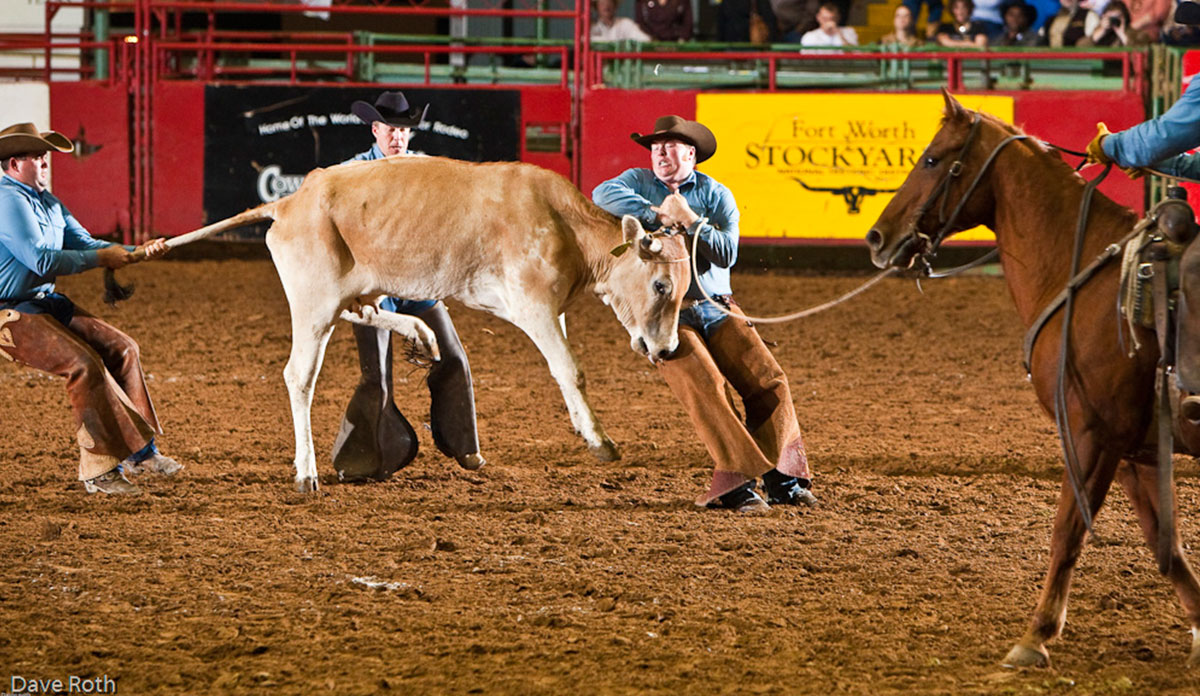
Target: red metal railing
x=1133, y=65
x=161, y=49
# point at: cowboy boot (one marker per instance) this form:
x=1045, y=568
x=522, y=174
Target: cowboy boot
x=374, y=440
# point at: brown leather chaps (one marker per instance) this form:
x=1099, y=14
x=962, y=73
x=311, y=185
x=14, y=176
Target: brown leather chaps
x=700, y=374
x=114, y=416
x=375, y=440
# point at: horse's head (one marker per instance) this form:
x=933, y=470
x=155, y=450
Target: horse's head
x=941, y=195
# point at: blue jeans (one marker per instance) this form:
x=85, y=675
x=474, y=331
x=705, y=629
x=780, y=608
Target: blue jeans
x=410, y=307
x=704, y=316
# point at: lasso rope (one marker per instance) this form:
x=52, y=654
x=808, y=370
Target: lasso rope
x=786, y=317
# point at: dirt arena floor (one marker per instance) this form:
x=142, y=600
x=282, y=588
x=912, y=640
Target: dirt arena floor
x=547, y=572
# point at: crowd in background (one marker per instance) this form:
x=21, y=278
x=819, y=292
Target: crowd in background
x=957, y=24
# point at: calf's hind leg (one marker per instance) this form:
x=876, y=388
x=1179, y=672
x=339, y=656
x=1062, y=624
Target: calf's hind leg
x=310, y=336
x=1140, y=482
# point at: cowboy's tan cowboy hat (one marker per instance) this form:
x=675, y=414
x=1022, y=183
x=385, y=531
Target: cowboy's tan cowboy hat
x=391, y=108
x=24, y=138
x=678, y=127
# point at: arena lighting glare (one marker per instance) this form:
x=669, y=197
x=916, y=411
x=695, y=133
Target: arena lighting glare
x=131, y=39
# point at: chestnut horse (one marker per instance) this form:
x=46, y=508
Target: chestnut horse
x=1031, y=199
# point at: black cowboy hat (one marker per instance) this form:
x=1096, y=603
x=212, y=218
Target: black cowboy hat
x=1187, y=12
x=1030, y=11
x=24, y=138
x=678, y=127
x=391, y=108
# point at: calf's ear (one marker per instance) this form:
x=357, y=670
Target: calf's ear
x=631, y=228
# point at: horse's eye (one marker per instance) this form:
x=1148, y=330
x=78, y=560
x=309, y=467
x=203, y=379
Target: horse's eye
x=662, y=288
x=930, y=162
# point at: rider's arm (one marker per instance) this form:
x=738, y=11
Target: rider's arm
x=1155, y=142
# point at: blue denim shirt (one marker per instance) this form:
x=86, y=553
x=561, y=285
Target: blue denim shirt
x=1161, y=142
x=635, y=190
x=370, y=155
x=39, y=241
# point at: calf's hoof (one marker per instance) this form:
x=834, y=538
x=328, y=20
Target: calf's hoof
x=1023, y=655
x=307, y=485
x=606, y=451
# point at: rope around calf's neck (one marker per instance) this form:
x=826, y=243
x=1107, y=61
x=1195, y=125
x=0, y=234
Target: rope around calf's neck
x=786, y=317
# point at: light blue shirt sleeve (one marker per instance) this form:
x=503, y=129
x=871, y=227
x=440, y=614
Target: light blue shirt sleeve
x=1161, y=142
x=719, y=236
x=22, y=238
x=622, y=196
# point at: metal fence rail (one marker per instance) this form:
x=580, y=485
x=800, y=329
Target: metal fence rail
x=173, y=40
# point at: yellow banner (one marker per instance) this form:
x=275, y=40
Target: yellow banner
x=822, y=166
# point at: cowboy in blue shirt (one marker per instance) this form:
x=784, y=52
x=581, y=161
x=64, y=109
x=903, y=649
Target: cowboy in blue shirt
x=375, y=440
x=1161, y=144
x=715, y=350
x=40, y=328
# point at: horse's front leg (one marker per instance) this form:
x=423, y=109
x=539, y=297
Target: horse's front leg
x=1066, y=542
x=1140, y=482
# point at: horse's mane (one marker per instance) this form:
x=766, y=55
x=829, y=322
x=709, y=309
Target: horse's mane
x=1033, y=144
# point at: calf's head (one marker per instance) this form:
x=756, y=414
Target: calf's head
x=646, y=286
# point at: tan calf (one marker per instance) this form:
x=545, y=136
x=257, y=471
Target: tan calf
x=511, y=239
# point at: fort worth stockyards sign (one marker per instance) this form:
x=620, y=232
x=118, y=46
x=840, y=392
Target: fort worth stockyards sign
x=822, y=166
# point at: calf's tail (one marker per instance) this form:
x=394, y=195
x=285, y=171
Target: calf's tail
x=114, y=292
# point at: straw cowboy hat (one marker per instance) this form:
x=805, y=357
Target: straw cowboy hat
x=678, y=127
x=391, y=108
x=24, y=138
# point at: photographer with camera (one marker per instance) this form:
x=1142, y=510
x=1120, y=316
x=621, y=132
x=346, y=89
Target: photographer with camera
x=1116, y=28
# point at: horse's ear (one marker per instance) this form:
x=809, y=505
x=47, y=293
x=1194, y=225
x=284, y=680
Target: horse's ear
x=953, y=108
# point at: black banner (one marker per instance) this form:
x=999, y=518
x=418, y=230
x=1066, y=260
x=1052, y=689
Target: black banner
x=260, y=141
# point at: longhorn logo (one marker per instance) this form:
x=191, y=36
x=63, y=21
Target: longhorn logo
x=853, y=195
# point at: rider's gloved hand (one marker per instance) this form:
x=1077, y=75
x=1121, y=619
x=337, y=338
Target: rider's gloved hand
x=1095, y=153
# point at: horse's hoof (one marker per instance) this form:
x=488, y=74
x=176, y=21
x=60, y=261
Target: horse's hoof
x=1023, y=655
x=606, y=451
x=307, y=485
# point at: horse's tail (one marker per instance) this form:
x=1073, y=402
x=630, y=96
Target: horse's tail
x=114, y=292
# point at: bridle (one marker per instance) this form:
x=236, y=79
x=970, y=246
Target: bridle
x=926, y=247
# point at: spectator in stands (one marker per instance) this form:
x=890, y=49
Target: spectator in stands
x=1146, y=16
x=1116, y=28
x=1176, y=34
x=747, y=21
x=904, y=29
x=933, y=19
x=987, y=13
x=961, y=31
x=665, y=20
x=796, y=17
x=829, y=32
x=1019, y=18
x=1072, y=26
x=610, y=27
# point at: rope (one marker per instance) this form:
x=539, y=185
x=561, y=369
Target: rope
x=802, y=314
